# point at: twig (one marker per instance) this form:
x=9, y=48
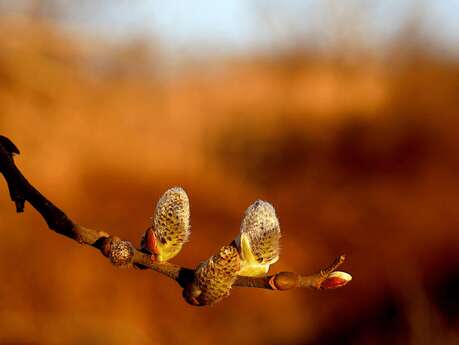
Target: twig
x=122, y=253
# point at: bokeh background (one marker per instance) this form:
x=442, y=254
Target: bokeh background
x=344, y=115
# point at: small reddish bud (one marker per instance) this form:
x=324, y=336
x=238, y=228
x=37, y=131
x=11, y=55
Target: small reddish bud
x=149, y=242
x=335, y=280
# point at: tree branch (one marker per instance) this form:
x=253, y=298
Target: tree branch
x=122, y=253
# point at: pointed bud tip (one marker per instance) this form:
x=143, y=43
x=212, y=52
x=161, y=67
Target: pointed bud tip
x=259, y=216
x=262, y=205
x=335, y=280
x=176, y=192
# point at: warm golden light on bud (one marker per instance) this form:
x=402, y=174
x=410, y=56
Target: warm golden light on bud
x=335, y=280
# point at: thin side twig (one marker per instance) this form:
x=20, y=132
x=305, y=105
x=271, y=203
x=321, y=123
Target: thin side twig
x=21, y=191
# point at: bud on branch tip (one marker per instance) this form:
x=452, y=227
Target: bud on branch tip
x=335, y=280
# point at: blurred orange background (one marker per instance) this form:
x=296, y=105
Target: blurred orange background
x=356, y=148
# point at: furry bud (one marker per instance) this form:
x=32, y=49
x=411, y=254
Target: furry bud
x=121, y=253
x=213, y=278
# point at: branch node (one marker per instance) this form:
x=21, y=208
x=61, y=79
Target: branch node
x=105, y=245
x=284, y=281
